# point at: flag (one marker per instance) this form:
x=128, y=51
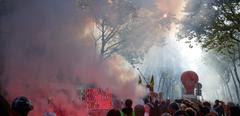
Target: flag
x=140, y=80
x=151, y=84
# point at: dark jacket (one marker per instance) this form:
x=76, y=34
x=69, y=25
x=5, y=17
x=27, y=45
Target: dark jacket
x=127, y=111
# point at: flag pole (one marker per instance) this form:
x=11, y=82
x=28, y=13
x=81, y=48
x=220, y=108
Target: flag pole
x=142, y=75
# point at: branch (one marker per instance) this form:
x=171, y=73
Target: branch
x=98, y=38
x=231, y=54
x=236, y=40
x=111, y=46
x=110, y=53
x=111, y=34
x=229, y=15
x=98, y=27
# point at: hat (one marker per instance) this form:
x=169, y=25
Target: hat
x=22, y=104
x=49, y=114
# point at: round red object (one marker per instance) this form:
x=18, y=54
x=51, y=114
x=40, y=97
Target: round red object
x=189, y=80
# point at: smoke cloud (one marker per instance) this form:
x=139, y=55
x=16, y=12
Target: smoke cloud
x=49, y=52
x=48, y=55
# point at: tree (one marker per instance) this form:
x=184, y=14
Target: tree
x=214, y=25
x=108, y=20
x=122, y=27
x=149, y=27
x=223, y=65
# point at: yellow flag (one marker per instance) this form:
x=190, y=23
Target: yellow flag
x=152, y=84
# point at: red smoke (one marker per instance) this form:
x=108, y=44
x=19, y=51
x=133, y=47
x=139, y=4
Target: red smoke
x=47, y=59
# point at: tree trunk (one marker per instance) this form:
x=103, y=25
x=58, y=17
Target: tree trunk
x=236, y=86
x=224, y=91
x=163, y=82
x=167, y=88
x=172, y=93
x=159, y=84
x=103, y=39
x=235, y=71
x=238, y=51
x=229, y=92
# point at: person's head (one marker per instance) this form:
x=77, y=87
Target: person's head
x=204, y=110
x=217, y=102
x=128, y=103
x=230, y=104
x=183, y=106
x=21, y=106
x=179, y=101
x=166, y=114
x=113, y=112
x=168, y=101
x=145, y=100
x=139, y=110
x=190, y=112
x=222, y=103
x=212, y=114
x=207, y=104
x=173, y=107
x=180, y=113
x=162, y=102
x=4, y=107
x=49, y=114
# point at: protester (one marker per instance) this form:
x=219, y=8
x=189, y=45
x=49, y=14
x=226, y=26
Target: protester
x=139, y=110
x=148, y=107
x=163, y=107
x=4, y=107
x=114, y=112
x=207, y=104
x=234, y=111
x=218, y=107
x=204, y=111
x=166, y=114
x=212, y=114
x=21, y=106
x=172, y=108
x=180, y=113
x=156, y=108
x=128, y=110
x=183, y=107
x=190, y=112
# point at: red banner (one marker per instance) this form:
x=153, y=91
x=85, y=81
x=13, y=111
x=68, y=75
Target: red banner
x=96, y=98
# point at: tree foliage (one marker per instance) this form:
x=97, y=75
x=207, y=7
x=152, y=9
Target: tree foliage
x=124, y=28
x=212, y=24
x=109, y=18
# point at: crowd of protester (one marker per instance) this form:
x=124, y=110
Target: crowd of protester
x=21, y=106
x=178, y=107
